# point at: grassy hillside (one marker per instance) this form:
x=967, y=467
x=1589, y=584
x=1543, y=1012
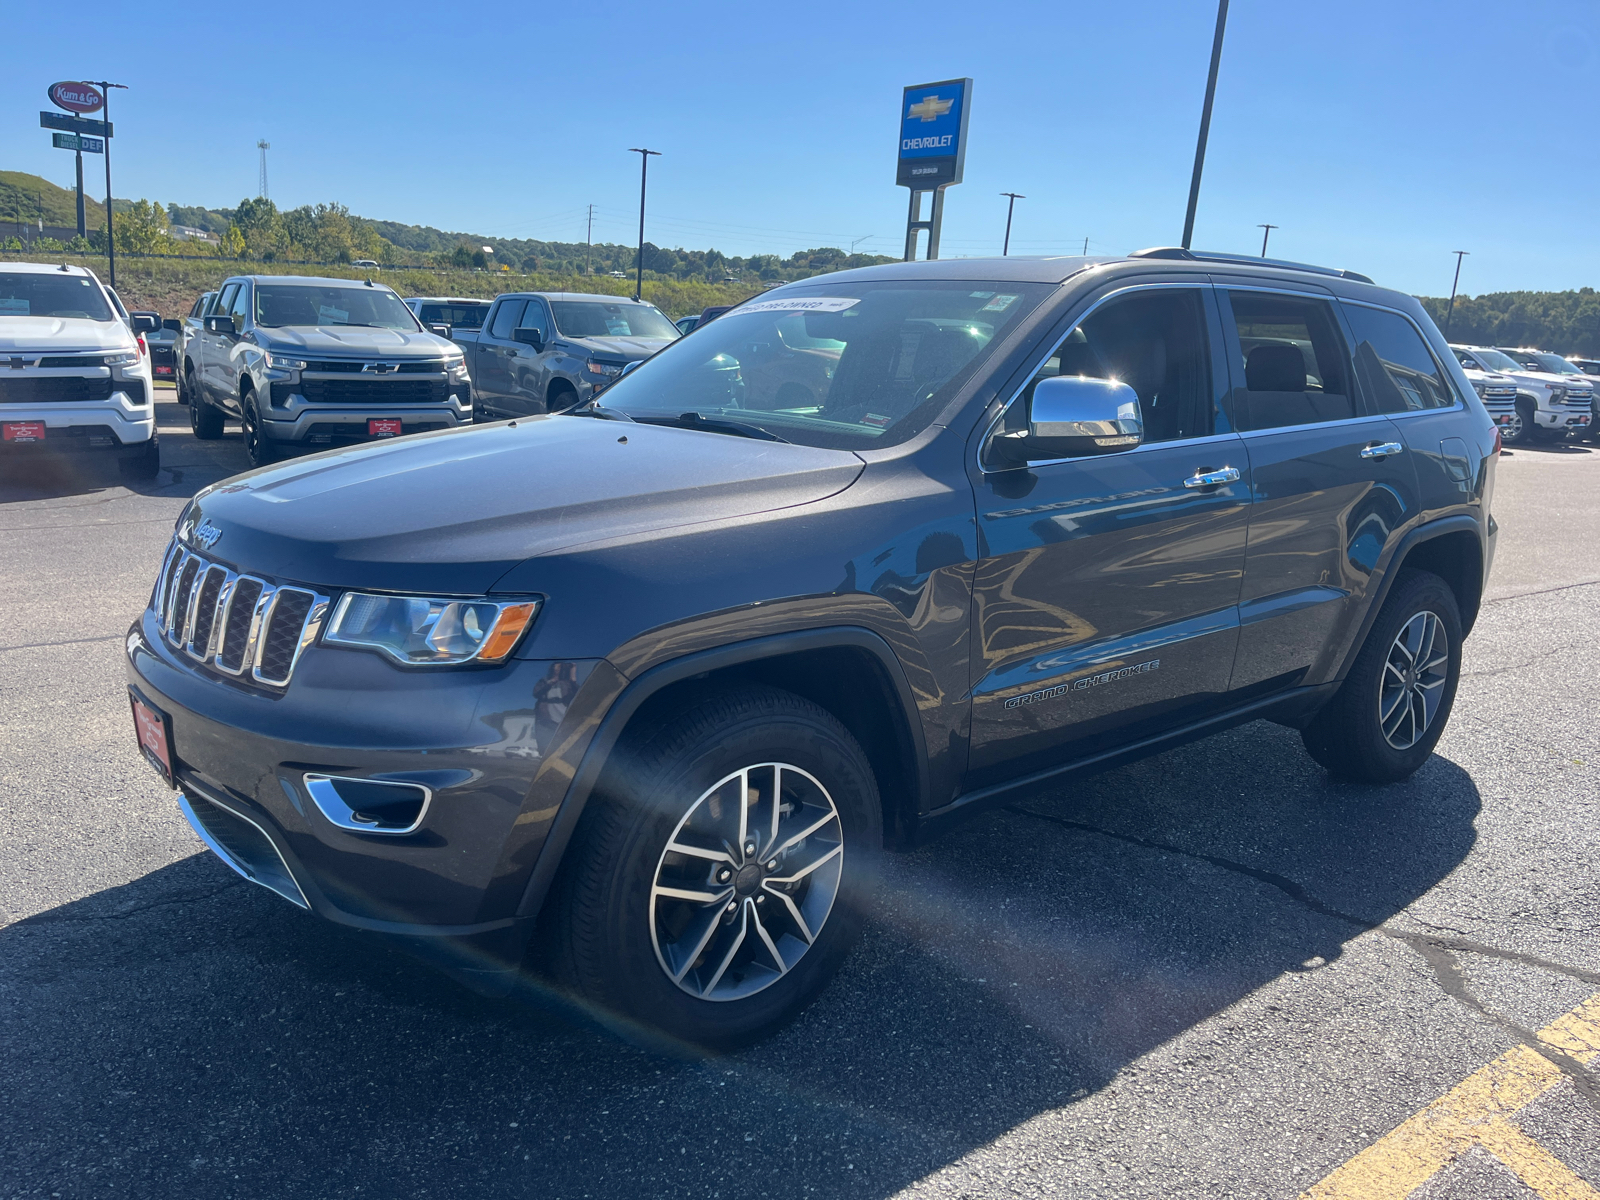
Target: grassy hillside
x=28, y=198
x=169, y=286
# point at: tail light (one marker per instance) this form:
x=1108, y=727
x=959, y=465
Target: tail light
x=1498, y=444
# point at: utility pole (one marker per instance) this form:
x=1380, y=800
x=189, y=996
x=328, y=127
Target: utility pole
x=1010, y=204
x=1451, y=311
x=1266, y=232
x=1205, y=123
x=263, y=146
x=105, y=87
x=1086, y=247
x=644, y=170
x=588, y=243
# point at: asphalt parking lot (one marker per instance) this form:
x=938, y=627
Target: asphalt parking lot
x=1213, y=973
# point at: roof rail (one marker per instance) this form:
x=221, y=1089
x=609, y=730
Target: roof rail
x=1245, y=260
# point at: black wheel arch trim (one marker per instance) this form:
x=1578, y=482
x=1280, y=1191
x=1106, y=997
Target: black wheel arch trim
x=652, y=681
x=1442, y=527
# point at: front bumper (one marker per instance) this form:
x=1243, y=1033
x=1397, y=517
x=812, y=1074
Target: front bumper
x=313, y=423
x=109, y=424
x=479, y=740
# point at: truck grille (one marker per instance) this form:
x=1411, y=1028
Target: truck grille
x=241, y=625
x=1578, y=401
x=1499, y=399
x=49, y=389
x=372, y=391
x=421, y=366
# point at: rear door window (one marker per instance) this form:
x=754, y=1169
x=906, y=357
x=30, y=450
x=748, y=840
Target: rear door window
x=1398, y=372
x=1292, y=362
x=224, y=302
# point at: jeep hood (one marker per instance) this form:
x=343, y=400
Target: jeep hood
x=62, y=335
x=349, y=341
x=630, y=349
x=453, y=511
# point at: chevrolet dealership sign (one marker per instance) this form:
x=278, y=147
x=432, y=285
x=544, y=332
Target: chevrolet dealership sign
x=933, y=134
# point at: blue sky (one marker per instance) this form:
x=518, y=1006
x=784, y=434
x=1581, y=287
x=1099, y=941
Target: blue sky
x=1379, y=134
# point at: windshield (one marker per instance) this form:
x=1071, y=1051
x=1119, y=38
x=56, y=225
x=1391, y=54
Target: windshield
x=847, y=366
x=1493, y=360
x=308, y=304
x=595, y=318
x=23, y=294
x=1553, y=363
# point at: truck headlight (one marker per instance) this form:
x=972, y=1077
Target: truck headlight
x=1557, y=393
x=277, y=362
x=129, y=359
x=456, y=368
x=419, y=631
x=604, y=370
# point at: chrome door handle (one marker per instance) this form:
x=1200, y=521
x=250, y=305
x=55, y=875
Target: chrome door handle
x=1212, y=478
x=1381, y=449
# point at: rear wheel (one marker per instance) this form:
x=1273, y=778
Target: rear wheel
x=1519, y=427
x=204, y=420
x=716, y=886
x=1392, y=708
x=181, y=382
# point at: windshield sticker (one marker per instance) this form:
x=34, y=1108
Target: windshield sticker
x=980, y=295
x=617, y=326
x=876, y=421
x=332, y=316
x=999, y=304
x=826, y=304
x=10, y=307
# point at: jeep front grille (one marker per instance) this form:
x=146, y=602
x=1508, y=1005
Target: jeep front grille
x=240, y=625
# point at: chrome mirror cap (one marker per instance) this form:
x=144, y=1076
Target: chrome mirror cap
x=1101, y=412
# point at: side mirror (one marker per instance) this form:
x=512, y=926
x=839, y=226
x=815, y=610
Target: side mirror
x=145, y=322
x=220, y=323
x=172, y=323
x=529, y=337
x=633, y=366
x=1074, y=416
x=440, y=328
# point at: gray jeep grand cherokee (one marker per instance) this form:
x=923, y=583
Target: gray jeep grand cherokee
x=659, y=679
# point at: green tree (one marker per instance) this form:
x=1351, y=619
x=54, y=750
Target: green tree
x=142, y=229
x=232, y=244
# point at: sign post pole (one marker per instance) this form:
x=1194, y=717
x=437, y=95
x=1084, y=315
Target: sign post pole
x=79, y=98
x=933, y=152
x=82, y=231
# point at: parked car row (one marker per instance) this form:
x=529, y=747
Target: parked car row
x=1532, y=393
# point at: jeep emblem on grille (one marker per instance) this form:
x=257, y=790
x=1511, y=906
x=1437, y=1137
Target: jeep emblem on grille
x=207, y=534
x=381, y=368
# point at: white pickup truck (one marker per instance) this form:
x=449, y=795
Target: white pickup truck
x=74, y=379
x=1549, y=404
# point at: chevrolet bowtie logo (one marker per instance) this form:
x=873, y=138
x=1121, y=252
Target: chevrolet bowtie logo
x=929, y=108
x=17, y=363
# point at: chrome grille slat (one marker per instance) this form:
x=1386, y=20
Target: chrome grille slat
x=232, y=622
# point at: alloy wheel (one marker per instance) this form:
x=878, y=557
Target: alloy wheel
x=1414, y=675
x=746, y=882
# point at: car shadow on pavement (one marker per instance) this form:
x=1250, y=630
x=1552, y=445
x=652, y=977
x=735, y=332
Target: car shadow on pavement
x=189, y=1034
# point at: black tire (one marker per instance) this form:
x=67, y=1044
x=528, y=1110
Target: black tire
x=204, y=421
x=560, y=397
x=179, y=381
x=146, y=465
x=260, y=450
x=612, y=943
x=1348, y=737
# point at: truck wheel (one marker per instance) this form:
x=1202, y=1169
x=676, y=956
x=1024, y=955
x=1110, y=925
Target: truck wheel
x=560, y=397
x=146, y=466
x=1385, y=719
x=257, y=447
x=204, y=421
x=182, y=383
x=1519, y=428
x=718, y=882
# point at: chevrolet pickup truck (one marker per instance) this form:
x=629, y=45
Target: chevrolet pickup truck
x=75, y=380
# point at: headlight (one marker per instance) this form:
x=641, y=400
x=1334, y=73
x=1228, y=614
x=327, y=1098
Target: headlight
x=277, y=362
x=417, y=631
x=130, y=359
x=605, y=370
x=1557, y=393
x=456, y=368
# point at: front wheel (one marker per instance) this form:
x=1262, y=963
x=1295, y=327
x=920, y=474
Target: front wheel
x=257, y=447
x=1390, y=711
x=144, y=466
x=720, y=880
x=205, y=422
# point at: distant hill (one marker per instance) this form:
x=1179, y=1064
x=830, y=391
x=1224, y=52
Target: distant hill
x=26, y=199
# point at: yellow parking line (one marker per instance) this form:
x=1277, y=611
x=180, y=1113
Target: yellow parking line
x=1477, y=1112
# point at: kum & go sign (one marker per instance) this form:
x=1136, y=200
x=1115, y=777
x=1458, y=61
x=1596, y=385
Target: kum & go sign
x=76, y=97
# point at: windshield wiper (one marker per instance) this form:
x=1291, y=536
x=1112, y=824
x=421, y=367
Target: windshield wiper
x=595, y=409
x=695, y=420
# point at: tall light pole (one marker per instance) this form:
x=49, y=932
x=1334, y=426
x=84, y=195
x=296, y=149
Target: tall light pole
x=644, y=171
x=1451, y=311
x=105, y=87
x=1205, y=123
x=1010, y=204
x=1266, y=232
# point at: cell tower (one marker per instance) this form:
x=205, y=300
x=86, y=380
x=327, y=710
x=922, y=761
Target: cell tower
x=263, y=146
